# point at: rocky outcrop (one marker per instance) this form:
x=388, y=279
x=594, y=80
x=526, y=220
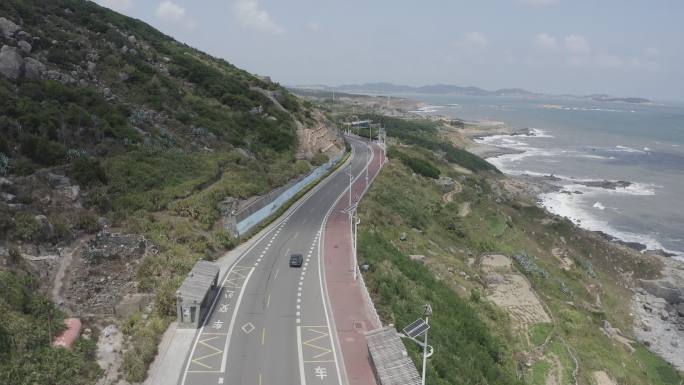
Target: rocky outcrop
x=664, y=289
x=658, y=307
x=24, y=46
x=11, y=62
x=59, y=77
x=8, y=28
x=34, y=69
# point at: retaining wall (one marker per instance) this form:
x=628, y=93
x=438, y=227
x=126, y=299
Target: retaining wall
x=268, y=204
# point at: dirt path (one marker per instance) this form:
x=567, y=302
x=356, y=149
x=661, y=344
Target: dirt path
x=449, y=197
x=64, y=264
x=555, y=376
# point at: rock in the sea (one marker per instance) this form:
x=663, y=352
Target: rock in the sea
x=8, y=28
x=33, y=69
x=25, y=46
x=11, y=62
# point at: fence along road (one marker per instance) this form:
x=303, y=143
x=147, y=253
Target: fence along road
x=270, y=323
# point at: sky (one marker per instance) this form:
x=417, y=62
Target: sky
x=619, y=47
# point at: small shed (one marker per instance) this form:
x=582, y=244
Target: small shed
x=196, y=294
x=391, y=363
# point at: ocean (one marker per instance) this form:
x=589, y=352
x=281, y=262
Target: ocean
x=581, y=141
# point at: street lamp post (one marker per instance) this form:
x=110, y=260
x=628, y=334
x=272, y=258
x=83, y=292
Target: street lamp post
x=350, y=182
x=427, y=312
x=416, y=329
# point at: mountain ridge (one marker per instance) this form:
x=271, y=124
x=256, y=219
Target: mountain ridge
x=440, y=88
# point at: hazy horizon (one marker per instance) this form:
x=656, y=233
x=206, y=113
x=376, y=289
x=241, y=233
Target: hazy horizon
x=627, y=49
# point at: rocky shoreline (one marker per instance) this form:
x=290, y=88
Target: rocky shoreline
x=658, y=304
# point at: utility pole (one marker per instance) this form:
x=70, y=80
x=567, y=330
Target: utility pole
x=425, y=342
x=415, y=330
x=350, y=183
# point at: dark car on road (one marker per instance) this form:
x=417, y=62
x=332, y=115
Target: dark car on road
x=296, y=260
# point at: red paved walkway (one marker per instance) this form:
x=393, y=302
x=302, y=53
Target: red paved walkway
x=350, y=310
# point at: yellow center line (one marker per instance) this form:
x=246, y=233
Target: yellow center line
x=263, y=336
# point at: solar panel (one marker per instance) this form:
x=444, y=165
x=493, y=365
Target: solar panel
x=416, y=328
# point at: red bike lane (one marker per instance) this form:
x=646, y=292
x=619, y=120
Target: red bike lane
x=352, y=313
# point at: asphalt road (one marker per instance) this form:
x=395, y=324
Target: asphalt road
x=270, y=324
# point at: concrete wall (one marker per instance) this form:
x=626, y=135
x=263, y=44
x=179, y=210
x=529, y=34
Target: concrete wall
x=267, y=205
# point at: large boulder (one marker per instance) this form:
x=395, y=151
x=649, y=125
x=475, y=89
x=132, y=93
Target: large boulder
x=8, y=28
x=664, y=289
x=11, y=62
x=34, y=69
x=25, y=46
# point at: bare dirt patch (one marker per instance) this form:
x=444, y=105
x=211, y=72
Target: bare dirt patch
x=565, y=262
x=602, y=378
x=511, y=291
x=464, y=209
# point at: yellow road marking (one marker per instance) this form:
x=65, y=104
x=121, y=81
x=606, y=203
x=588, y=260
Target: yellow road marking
x=259, y=378
x=309, y=343
x=215, y=349
x=268, y=300
x=263, y=336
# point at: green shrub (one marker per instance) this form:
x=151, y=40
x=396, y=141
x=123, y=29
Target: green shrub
x=26, y=227
x=87, y=172
x=319, y=159
x=42, y=151
x=87, y=222
x=420, y=166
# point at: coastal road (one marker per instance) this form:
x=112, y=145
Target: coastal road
x=271, y=323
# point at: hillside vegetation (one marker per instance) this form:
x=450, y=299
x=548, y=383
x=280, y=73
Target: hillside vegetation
x=564, y=296
x=106, y=123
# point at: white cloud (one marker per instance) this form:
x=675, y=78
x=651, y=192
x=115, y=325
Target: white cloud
x=637, y=63
x=544, y=40
x=173, y=13
x=537, y=3
x=609, y=61
x=577, y=44
x=314, y=26
x=117, y=5
x=250, y=15
x=169, y=11
x=472, y=42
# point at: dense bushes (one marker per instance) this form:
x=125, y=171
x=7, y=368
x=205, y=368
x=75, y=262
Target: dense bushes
x=87, y=172
x=26, y=356
x=467, y=352
x=417, y=165
x=423, y=133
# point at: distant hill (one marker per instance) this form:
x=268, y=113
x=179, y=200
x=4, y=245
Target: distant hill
x=389, y=88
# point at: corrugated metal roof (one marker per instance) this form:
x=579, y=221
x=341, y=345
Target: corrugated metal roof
x=392, y=363
x=198, y=282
